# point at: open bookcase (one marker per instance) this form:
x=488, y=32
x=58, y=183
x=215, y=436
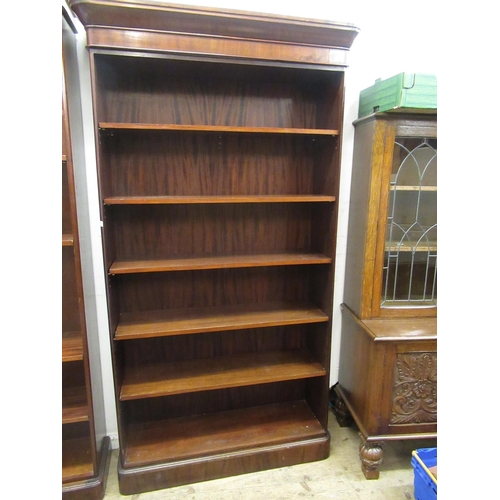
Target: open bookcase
x=85, y=453
x=218, y=155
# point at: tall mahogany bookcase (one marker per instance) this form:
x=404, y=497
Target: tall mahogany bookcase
x=218, y=149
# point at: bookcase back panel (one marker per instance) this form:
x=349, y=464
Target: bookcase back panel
x=183, y=92
x=214, y=344
x=212, y=288
x=73, y=374
x=79, y=430
x=70, y=304
x=159, y=231
x=152, y=163
x=199, y=403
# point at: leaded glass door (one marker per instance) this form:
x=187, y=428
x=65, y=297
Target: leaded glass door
x=410, y=255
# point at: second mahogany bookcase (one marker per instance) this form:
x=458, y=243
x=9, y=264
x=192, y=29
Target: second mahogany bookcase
x=86, y=449
x=218, y=150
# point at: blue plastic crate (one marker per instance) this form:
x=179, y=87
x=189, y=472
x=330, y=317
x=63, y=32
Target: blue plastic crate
x=425, y=484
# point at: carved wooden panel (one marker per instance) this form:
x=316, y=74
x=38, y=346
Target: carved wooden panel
x=415, y=388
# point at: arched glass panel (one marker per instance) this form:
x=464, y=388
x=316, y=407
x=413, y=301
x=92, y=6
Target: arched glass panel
x=410, y=263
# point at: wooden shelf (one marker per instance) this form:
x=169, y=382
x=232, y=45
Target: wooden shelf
x=188, y=200
x=216, y=128
x=74, y=405
x=167, y=322
x=224, y=432
x=72, y=346
x=218, y=373
x=76, y=460
x=67, y=240
x=218, y=262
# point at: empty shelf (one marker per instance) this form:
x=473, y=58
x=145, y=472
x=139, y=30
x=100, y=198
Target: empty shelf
x=212, y=434
x=218, y=262
x=210, y=319
x=218, y=373
x=191, y=200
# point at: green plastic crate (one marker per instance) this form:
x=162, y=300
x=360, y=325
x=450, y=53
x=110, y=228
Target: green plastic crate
x=403, y=92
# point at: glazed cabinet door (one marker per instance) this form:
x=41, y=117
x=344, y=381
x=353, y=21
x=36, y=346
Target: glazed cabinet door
x=405, y=271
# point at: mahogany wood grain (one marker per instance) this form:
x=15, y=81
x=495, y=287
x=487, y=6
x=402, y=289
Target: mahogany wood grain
x=161, y=16
x=168, y=43
x=74, y=405
x=205, y=468
x=198, y=320
x=217, y=262
x=72, y=346
x=95, y=487
x=169, y=94
x=218, y=373
x=140, y=411
x=71, y=320
x=67, y=240
x=204, y=200
x=76, y=460
x=212, y=230
x=217, y=128
x=209, y=288
x=171, y=349
x=216, y=165
x=224, y=432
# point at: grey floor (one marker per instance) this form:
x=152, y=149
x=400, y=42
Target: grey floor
x=338, y=477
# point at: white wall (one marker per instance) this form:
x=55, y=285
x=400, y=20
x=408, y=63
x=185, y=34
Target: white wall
x=390, y=42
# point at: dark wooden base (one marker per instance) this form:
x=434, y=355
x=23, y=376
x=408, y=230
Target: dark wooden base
x=95, y=488
x=339, y=408
x=167, y=475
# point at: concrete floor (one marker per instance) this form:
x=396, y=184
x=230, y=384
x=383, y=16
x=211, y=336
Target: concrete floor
x=339, y=477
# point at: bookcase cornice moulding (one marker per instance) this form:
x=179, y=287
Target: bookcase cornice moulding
x=173, y=28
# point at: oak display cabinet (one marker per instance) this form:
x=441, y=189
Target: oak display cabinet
x=218, y=149
x=388, y=360
x=85, y=453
